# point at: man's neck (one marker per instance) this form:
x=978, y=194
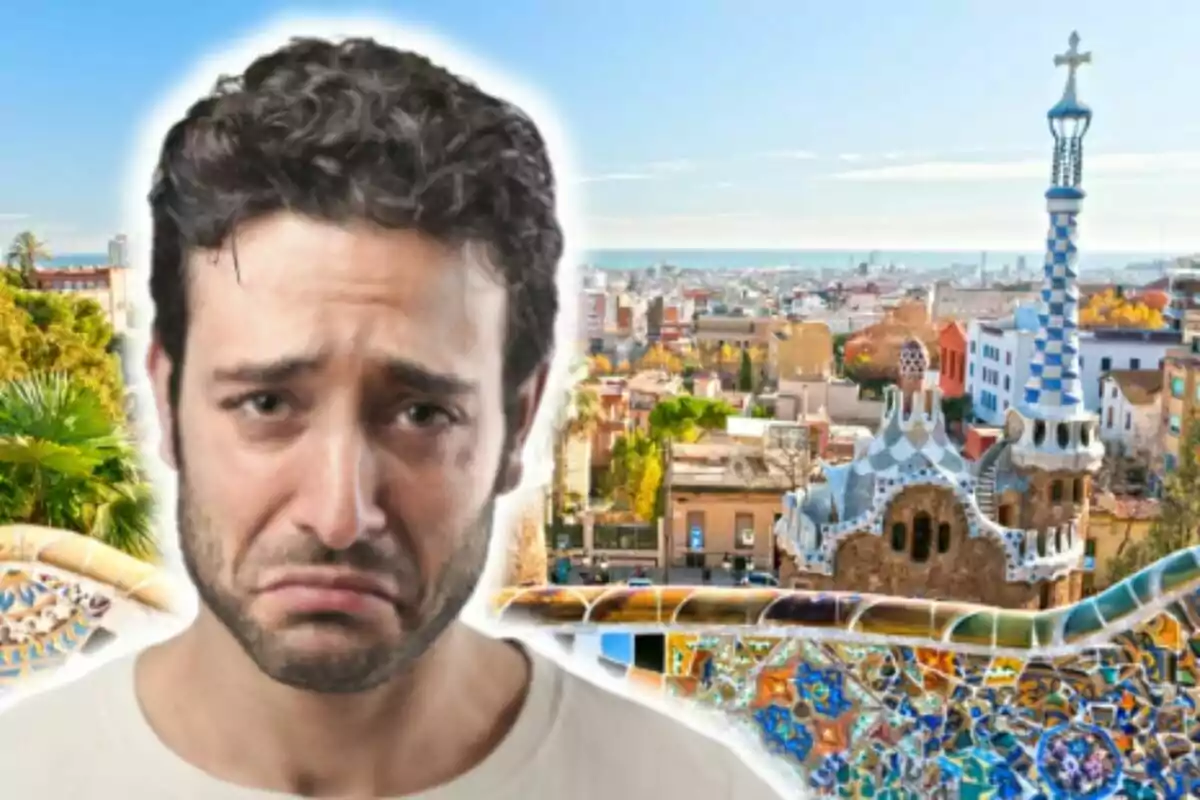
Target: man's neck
x=208, y=702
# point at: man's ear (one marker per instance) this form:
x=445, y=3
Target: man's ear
x=158, y=367
x=528, y=401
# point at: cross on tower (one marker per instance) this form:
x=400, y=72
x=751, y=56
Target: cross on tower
x=1073, y=58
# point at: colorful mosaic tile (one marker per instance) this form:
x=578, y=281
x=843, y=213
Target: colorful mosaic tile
x=65, y=596
x=871, y=696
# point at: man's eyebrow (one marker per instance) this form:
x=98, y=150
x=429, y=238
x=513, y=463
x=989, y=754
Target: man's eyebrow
x=277, y=371
x=426, y=381
x=407, y=373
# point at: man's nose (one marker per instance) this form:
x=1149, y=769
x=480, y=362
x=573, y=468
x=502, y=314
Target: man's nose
x=342, y=503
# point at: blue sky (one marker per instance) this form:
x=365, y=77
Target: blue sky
x=699, y=123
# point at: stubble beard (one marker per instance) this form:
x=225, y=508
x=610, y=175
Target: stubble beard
x=349, y=670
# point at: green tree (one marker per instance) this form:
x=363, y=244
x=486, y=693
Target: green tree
x=65, y=462
x=760, y=412
x=580, y=415
x=43, y=332
x=839, y=350
x=1178, y=523
x=957, y=409
x=635, y=474
x=746, y=373
x=685, y=418
x=23, y=255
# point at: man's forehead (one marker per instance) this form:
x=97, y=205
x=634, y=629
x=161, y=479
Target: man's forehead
x=288, y=290
x=285, y=252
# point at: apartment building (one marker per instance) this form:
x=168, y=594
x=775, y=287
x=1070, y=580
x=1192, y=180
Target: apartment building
x=999, y=354
x=107, y=286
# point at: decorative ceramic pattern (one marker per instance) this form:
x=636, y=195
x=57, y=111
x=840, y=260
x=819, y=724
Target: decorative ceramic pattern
x=868, y=696
x=914, y=360
x=63, y=596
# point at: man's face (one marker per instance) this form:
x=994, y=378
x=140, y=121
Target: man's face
x=340, y=440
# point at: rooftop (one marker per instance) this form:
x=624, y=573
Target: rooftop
x=1140, y=386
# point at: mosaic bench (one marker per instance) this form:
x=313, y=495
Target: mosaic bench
x=855, y=695
x=64, y=596
x=872, y=696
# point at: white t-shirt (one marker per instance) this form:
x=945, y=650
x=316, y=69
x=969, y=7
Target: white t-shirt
x=572, y=740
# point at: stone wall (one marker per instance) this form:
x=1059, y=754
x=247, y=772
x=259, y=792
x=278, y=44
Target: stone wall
x=968, y=569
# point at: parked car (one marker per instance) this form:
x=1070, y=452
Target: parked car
x=762, y=579
x=640, y=582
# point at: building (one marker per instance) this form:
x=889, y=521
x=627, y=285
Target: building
x=107, y=286
x=1180, y=402
x=1114, y=523
x=908, y=515
x=948, y=301
x=1130, y=411
x=952, y=343
x=723, y=502
x=118, y=251
x=999, y=358
x=801, y=350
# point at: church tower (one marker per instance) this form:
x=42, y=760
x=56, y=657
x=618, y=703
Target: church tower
x=1054, y=438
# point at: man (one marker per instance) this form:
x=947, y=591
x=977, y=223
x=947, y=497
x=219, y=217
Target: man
x=354, y=277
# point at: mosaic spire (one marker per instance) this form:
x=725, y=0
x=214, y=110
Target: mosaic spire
x=1055, y=388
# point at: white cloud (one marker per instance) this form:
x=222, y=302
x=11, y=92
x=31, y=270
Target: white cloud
x=1104, y=165
x=1112, y=228
x=850, y=157
x=794, y=155
x=608, y=177
x=12, y=217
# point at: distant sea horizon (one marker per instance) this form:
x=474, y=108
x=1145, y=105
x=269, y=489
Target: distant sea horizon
x=798, y=259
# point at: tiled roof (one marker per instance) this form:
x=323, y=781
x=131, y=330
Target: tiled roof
x=1140, y=386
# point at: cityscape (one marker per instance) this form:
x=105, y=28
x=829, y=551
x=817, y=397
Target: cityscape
x=915, y=523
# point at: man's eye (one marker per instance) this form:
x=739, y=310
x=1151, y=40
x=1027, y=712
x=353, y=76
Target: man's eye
x=263, y=404
x=424, y=415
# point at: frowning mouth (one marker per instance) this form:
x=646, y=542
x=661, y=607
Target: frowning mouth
x=324, y=590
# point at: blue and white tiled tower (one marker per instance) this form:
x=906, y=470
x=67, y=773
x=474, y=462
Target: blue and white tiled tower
x=1053, y=429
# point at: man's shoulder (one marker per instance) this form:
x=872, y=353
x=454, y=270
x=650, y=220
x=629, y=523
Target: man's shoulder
x=636, y=723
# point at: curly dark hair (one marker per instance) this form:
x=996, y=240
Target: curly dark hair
x=356, y=130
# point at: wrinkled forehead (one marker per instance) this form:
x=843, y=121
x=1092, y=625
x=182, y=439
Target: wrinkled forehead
x=290, y=287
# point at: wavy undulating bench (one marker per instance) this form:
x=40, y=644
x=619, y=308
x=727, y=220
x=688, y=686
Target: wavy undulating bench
x=64, y=596
x=856, y=695
x=872, y=696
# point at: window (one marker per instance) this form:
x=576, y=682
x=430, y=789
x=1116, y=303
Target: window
x=1135, y=363
x=743, y=527
x=943, y=537
x=1007, y=383
x=1105, y=364
x=1077, y=490
x=1128, y=420
x=695, y=531
x=922, y=536
x=1177, y=386
x=1005, y=517
x=972, y=348
x=1108, y=420
x=898, y=537
x=1008, y=359
x=1056, y=492
x=1175, y=424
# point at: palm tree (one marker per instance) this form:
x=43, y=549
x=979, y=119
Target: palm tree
x=23, y=255
x=580, y=416
x=66, y=463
